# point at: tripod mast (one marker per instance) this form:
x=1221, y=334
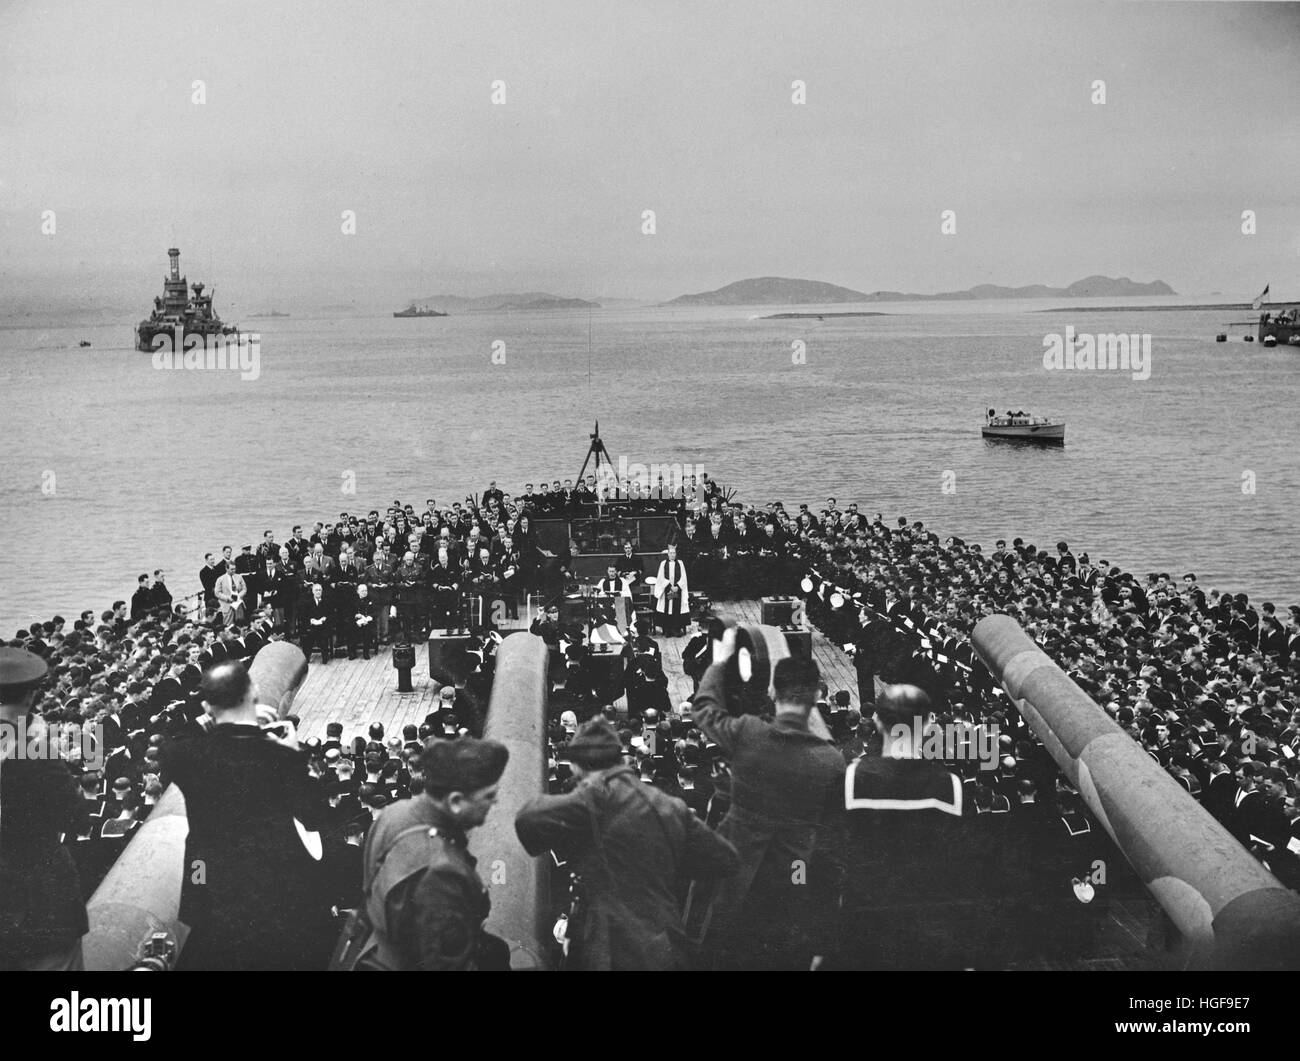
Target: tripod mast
x=595, y=449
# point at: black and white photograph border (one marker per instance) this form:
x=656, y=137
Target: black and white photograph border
x=784, y=486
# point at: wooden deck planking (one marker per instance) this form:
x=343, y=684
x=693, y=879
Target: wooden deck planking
x=359, y=692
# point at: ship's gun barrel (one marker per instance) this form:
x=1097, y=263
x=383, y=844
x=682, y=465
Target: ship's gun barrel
x=1231, y=911
x=518, y=884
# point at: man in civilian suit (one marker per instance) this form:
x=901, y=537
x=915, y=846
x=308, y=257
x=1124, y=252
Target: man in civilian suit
x=317, y=625
x=252, y=893
x=270, y=578
x=787, y=777
x=232, y=594
x=320, y=566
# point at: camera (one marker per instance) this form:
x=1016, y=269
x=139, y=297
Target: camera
x=157, y=955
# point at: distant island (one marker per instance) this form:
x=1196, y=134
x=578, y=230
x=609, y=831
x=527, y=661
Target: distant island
x=558, y=303
x=527, y=301
x=772, y=289
x=273, y=313
x=1243, y=306
x=783, y=291
x=820, y=316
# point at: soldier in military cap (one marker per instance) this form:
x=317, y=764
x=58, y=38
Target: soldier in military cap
x=42, y=916
x=425, y=905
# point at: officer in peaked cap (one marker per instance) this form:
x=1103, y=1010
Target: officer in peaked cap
x=425, y=906
x=40, y=893
x=20, y=670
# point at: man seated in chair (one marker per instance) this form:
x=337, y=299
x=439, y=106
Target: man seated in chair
x=317, y=625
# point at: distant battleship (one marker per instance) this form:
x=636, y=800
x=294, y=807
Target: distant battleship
x=273, y=313
x=175, y=310
x=413, y=311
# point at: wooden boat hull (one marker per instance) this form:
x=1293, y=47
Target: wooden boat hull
x=1050, y=433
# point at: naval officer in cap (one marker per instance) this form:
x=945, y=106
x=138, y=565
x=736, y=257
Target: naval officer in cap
x=42, y=916
x=425, y=905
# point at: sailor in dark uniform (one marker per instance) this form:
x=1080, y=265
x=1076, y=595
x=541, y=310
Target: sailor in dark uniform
x=1079, y=898
x=911, y=863
x=1272, y=634
x=425, y=904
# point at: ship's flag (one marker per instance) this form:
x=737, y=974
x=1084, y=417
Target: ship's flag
x=606, y=634
x=1259, y=299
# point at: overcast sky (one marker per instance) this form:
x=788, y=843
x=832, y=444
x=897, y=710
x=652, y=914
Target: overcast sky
x=615, y=108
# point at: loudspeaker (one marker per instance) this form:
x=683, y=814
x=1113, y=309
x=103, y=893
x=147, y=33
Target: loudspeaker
x=606, y=669
x=798, y=640
x=573, y=610
x=777, y=611
x=448, y=662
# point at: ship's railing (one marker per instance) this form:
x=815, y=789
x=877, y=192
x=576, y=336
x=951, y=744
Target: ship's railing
x=1232, y=913
x=192, y=604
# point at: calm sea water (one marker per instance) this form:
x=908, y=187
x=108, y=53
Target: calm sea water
x=112, y=467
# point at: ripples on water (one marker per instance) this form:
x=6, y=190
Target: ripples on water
x=154, y=468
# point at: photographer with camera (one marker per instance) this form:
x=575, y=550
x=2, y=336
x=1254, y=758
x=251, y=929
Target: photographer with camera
x=253, y=893
x=633, y=847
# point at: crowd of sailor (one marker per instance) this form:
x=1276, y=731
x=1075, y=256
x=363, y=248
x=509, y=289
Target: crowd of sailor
x=1207, y=683
x=1204, y=681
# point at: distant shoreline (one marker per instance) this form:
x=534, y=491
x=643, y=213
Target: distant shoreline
x=1243, y=307
x=818, y=316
